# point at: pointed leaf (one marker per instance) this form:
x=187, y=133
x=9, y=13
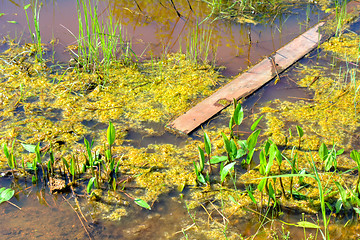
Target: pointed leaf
x=6, y=151
x=238, y=114
x=90, y=185
x=254, y=125
x=306, y=224
x=226, y=143
x=6, y=194
x=261, y=185
x=233, y=149
x=251, y=196
x=142, y=203
x=252, y=139
x=207, y=144
x=224, y=172
x=300, y=131
x=29, y=147
x=323, y=152
x=218, y=159
x=111, y=134
x=202, y=159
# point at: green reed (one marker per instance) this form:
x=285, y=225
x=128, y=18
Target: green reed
x=99, y=40
x=35, y=36
x=198, y=47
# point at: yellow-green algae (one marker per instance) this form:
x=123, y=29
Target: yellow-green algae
x=330, y=117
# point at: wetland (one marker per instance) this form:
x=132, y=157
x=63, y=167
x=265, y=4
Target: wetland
x=87, y=88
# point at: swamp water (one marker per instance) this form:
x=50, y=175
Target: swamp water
x=50, y=107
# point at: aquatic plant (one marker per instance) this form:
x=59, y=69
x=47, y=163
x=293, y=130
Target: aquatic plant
x=6, y=194
x=198, y=46
x=35, y=36
x=329, y=156
x=235, y=148
x=99, y=40
x=11, y=161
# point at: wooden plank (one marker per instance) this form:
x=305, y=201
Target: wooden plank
x=248, y=82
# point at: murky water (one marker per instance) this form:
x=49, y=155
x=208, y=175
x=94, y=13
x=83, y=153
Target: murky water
x=157, y=29
x=153, y=30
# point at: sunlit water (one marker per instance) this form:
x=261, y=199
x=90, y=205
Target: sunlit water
x=153, y=31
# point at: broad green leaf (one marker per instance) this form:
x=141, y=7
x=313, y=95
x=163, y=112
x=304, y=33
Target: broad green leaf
x=6, y=194
x=323, y=152
x=207, y=144
x=356, y=157
x=249, y=156
x=242, y=144
x=224, y=172
x=278, y=157
x=272, y=151
x=66, y=164
x=226, y=143
x=261, y=185
x=37, y=151
x=357, y=210
x=338, y=205
x=272, y=192
x=263, y=163
x=300, y=131
x=231, y=123
x=6, y=151
x=254, y=125
x=108, y=155
x=306, y=224
x=342, y=191
x=29, y=147
x=233, y=149
x=90, y=185
x=240, y=153
x=29, y=165
x=251, y=196
x=238, y=114
x=202, y=159
x=218, y=159
x=252, y=139
x=72, y=166
x=111, y=134
x=269, y=165
x=267, y=147
x=199, y=176
x=142, y=203
x=341, y=151
x=27, y=6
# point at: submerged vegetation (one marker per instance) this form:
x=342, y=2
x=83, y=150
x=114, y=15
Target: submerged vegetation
x=67, y=127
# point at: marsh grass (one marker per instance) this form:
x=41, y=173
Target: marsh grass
x=35, y=35
x=199, y=46
x=100, y=41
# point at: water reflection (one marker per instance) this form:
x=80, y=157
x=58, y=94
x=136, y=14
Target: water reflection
x=154, y=28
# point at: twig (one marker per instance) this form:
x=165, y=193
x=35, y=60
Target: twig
x=78, y=217
x=224, y=218
x=14, y=205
